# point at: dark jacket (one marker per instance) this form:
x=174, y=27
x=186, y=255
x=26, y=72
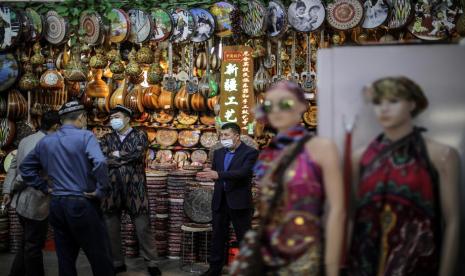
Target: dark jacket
x=238, y=179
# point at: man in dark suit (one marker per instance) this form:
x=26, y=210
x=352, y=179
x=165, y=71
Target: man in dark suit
x=232, y=199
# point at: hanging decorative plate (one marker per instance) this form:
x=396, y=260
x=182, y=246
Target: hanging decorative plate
x=209, y=139
x=7, y=132
x=8, y=159
x=184, y=25
x=189, y=138
x=167, y=137
x=37, y=24
x=9, y=71
x=205, y=25
x=306, y=15
x=376, y=13
x=10, y=26
x=221, y=11
x=92, y=24
x=254, y=22
x=120, y=26
x=434, y=20
x=141, y=26
x=164, y=156
x=57, y=28
x=401, y=13
x=345, y=14
x=199, y=156
x=163, y=25
x=187, y=118
x=277, y=19
x=164, y=116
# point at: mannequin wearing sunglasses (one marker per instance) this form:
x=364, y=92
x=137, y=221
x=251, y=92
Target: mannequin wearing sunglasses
x=407, y=185
x=295, y=236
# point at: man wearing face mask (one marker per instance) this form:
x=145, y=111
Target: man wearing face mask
x=78, y=176
x=232, y=170
x=125, y=149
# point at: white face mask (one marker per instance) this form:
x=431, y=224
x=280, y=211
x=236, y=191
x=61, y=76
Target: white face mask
x=227, y=143
x=117, y=124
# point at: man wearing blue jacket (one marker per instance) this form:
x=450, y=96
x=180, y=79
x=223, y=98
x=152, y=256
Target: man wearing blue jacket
x=77, y=178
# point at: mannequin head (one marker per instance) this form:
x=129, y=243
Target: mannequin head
x=396, y=101
x=284, y=105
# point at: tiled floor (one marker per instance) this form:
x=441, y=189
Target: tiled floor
x=136, y=266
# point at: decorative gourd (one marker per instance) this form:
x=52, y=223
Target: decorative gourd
x=134, y=98
x=201, y=61
x=198, y=102
x=181, y=100
x=17, y=105
x=97, y=88
x=166, y=98
x=151, y=95
x=119, y=95
x=262, y=80
x=52, y=79
x=211, y=102
x=28, y=81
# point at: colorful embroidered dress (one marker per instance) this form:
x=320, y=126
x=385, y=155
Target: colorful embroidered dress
x=397, y=220
x=293, y=243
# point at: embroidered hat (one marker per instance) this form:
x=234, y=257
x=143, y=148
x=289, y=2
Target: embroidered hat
x=123, y=109
x=69, y=107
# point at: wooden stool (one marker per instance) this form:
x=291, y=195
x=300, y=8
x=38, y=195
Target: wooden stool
x=188, y=258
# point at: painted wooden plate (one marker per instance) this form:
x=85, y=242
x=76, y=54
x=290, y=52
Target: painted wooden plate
x=434, y=20
x=401, y=13
x=199, y=156
x=57, y=28
x=376, y=13
x=306, y=15
x=189, y=138
x=277, y=19
x=9, y=71
x=92, y=25
x=37, y=24
x=7, y=132
x=141, y=26
x=184, y=25
x=222, y=11
x=120, y=26
x=254, y=22
x=344, y=14
x=205, y=25
x=163, y=25
x=209, y=139
x=11, y=27
x=167, y=137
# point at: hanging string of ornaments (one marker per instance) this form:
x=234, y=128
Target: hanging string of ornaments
x=163, y=60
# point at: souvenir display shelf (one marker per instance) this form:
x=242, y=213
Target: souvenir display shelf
x=166, y=62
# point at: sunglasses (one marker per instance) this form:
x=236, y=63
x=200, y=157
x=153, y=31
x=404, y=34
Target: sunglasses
x=283, y=105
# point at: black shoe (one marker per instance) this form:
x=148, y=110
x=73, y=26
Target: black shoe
x=154, y=271
x=120, y=269
x=212, y=272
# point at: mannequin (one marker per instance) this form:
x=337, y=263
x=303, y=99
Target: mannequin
x=407, y=185
x=311, y=179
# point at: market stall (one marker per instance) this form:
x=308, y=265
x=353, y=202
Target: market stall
x=184, y=69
